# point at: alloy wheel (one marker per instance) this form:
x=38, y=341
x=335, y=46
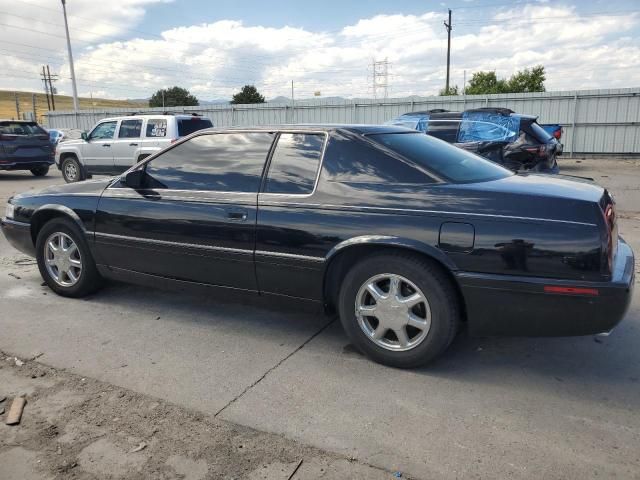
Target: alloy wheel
x=393, y=312
x=62, y=259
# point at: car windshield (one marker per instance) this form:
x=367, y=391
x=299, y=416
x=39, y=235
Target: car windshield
x=21, y=128
x=447, y=161
x=193, y=124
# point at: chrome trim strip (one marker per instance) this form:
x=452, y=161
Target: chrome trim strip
x=168, y=243
x=10, y=221
x=415, y=210
x=212, y=200
x=290, y=255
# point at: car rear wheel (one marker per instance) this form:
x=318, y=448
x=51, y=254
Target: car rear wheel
x=400, y=310
x=71, y=170
x=40, y=171
x=64, y=259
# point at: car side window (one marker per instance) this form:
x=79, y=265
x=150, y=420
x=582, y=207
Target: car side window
x=104, y=131
x=358, y=161
x=294, y=164
x=156, y=127
x=130, y=129
x=446, y=130
x=223, y=162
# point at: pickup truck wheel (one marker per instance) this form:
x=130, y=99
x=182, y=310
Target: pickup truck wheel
x=40, y=171
x=71, y=170
x=400, y=310
x=64, y=259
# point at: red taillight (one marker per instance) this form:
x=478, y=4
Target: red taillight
x=570, y=290
x=557, y=134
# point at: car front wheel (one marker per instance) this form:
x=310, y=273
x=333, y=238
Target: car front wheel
x=400, y=310
x=64, y=259
x=71, y=170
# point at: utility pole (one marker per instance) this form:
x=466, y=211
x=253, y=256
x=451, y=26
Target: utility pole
x=51, y=89
x=46, y=87
x=76, y=106
x=33, y=104
x=449, y=28
x=293, y=104
x=17, y=105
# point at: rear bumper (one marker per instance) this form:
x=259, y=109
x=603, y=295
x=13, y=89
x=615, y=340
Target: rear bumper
x=18, y=234
x=520, y=306
x=26, y=164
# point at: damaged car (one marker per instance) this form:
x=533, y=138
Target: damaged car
x=514, y=140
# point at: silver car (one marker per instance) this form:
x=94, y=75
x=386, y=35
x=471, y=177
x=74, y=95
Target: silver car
x=115, y=144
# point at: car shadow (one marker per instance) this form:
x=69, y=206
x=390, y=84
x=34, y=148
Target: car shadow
x=587, y=368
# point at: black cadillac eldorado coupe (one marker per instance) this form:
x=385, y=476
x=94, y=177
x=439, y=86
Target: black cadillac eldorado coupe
x=403, y=234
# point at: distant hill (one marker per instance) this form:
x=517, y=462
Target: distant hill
x=63, y=102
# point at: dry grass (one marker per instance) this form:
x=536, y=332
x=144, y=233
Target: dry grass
x=63, y=102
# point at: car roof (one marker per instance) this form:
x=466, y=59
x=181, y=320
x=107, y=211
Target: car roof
x=150, y=115
x=363, y=129
x=458, y=115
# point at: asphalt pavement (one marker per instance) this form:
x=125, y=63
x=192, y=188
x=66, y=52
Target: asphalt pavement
x=491, y=408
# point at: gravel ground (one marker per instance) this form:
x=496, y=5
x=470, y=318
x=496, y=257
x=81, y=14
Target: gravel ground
x=78, y=428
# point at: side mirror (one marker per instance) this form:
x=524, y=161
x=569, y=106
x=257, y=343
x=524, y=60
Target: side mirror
x=84, y=136
x=134, y=179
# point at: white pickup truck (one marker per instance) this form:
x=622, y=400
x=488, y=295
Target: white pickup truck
x=115, y=144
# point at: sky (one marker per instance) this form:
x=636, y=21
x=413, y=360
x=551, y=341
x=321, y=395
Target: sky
x=131, y=48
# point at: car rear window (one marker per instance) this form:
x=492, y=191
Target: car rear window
x=21, y=128
x=446, y=161
x=186, y=126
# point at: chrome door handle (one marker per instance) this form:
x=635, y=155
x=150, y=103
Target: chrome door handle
x=240, y=215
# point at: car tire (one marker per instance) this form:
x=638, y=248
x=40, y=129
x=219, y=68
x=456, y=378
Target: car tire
x=142, y=157
x=40, y=171
x=72, y=170
x=64, y=259
x=425, y=307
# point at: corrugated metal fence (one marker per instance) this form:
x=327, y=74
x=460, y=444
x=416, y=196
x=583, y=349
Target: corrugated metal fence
x=594, y=121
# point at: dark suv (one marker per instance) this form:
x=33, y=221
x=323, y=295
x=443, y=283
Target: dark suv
x=516, y=141
x=25, y=146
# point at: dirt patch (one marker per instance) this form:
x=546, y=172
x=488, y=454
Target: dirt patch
x=80, y=428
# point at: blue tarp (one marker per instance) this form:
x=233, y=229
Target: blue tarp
x=488, y=127
x=414, y=122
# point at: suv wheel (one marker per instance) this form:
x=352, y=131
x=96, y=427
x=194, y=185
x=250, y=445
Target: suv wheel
x=71, y=170
x=40, y=171
x=400, y=310
x=64, y=259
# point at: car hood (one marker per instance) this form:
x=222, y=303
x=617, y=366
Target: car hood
x=71, y=143
x=86, y=188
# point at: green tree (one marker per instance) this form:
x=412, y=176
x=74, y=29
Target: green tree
x=173, y=97
x=248, y=94
x=526, y=80
x=452, y=91
x=485, y=83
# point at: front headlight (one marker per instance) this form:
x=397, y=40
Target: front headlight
x=10, y=210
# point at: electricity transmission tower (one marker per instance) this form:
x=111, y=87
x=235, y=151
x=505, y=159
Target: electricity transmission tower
x=380, y=77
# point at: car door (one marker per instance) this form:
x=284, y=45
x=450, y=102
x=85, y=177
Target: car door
x=97, y=152
x=127, y=144
x=288, y=258
x=194, y=217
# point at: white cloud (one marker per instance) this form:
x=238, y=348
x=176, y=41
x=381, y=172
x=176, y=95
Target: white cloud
x=215, y=59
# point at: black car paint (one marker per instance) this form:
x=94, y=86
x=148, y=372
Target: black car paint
x=501, y=241
x=25, y=152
